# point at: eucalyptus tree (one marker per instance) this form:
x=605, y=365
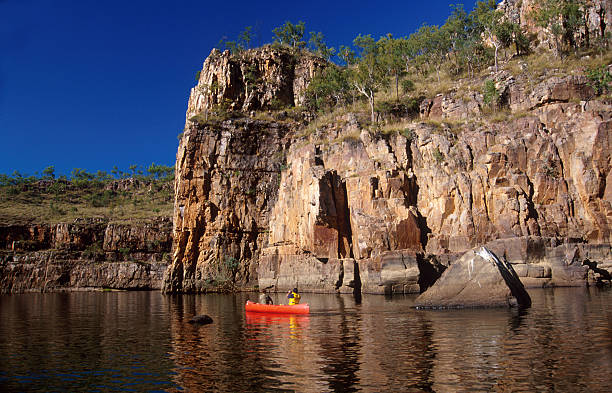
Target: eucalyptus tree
x=391, y=51
x=370, y=73
x=460, y=30
x=489, y=20
x=330, y=87
x=245, y=37
x=49, y=172
x=563, y=18
x=347, y=55
x=408, y=51
x=436, y=46
x=415, y=53
x=290, y=35
x=318, y=45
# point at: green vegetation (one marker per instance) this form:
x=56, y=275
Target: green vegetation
x=389, y=77
x=317, y=45
x=369, y=75
x=241, y=44
x=222, y=276
x=438, y=155
x=563, y=18
x=136, y=193
x=328, y=89
x=490, y=93
x=599, y=79
x=290, y=35
x=550, y=169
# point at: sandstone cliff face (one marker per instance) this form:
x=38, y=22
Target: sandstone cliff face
x=444, y=191
x=598, y=18
x=262, y=78
x=84, y=254
x=226, y=182
x=347, y=209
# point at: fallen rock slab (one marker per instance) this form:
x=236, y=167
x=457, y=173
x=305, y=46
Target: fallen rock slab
x=477, y=279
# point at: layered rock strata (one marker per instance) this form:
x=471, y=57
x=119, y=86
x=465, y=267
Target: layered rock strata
x=262, y=78
x=84, y=254
x=342, y=208
x=598, y=19
x=227, y=178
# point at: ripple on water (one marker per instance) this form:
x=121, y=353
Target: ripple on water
x=140, y=341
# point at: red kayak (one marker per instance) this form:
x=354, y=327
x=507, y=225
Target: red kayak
x=277, y=308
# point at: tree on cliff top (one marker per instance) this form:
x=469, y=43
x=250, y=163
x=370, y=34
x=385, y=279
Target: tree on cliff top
x=318, y=45
x=392, y=50
x=241, y=44
x=290, y=35
x=489, y=20
x=563, y=18
x=370, y=74
x=330, y=87
x=49, y=172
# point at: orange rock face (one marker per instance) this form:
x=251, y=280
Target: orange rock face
x=262, y=78
x=84, y=254
x=346, y=209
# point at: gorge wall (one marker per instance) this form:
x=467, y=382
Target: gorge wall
x=343, y=207
x=598, y=20
x=85, y=254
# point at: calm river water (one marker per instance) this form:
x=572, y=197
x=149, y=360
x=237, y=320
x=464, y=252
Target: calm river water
x=141, y=341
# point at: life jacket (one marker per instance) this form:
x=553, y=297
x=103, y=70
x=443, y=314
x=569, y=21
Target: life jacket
x=294, y=298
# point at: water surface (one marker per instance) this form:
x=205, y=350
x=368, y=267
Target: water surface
x=141, y=341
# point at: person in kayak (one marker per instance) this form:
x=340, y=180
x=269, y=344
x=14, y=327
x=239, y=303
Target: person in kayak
x=294, y=297
x=264, y=298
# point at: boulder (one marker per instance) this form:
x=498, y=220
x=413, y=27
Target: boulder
x=201, y=320
x=477, y=279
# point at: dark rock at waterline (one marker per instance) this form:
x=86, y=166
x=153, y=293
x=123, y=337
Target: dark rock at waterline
x=478, y=279
x=602, y=275
x=201, y=320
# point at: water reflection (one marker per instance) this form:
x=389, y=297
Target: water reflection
x=83, y=342
x=141, y=341
x=383, y=343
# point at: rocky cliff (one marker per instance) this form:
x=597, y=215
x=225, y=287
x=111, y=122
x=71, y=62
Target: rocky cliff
x=598, y=20
x=348, y=208
x=85, y=254
x=261, y=78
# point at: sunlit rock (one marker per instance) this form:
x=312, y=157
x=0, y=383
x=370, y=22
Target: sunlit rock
x=478, y=279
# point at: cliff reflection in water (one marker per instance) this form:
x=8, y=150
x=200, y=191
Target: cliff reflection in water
x=142, y=341
x=563, y=343
x=84, y=341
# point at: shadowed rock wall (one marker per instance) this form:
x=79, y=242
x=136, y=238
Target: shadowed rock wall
x=84, y=254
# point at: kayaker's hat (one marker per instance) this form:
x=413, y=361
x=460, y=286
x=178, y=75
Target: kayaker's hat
x=295, y=290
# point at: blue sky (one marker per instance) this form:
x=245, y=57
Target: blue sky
x=93, y=84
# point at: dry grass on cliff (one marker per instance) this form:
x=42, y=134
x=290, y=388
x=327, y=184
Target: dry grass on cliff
x=401, y=127
x=329, y=118
x=29, y=204
x=544, y=64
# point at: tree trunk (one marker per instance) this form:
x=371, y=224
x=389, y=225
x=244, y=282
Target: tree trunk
x=516, y=45
x=496, y=49
x=371, y=99
x=397, y=86
x=557, y=49
x=587, y=37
